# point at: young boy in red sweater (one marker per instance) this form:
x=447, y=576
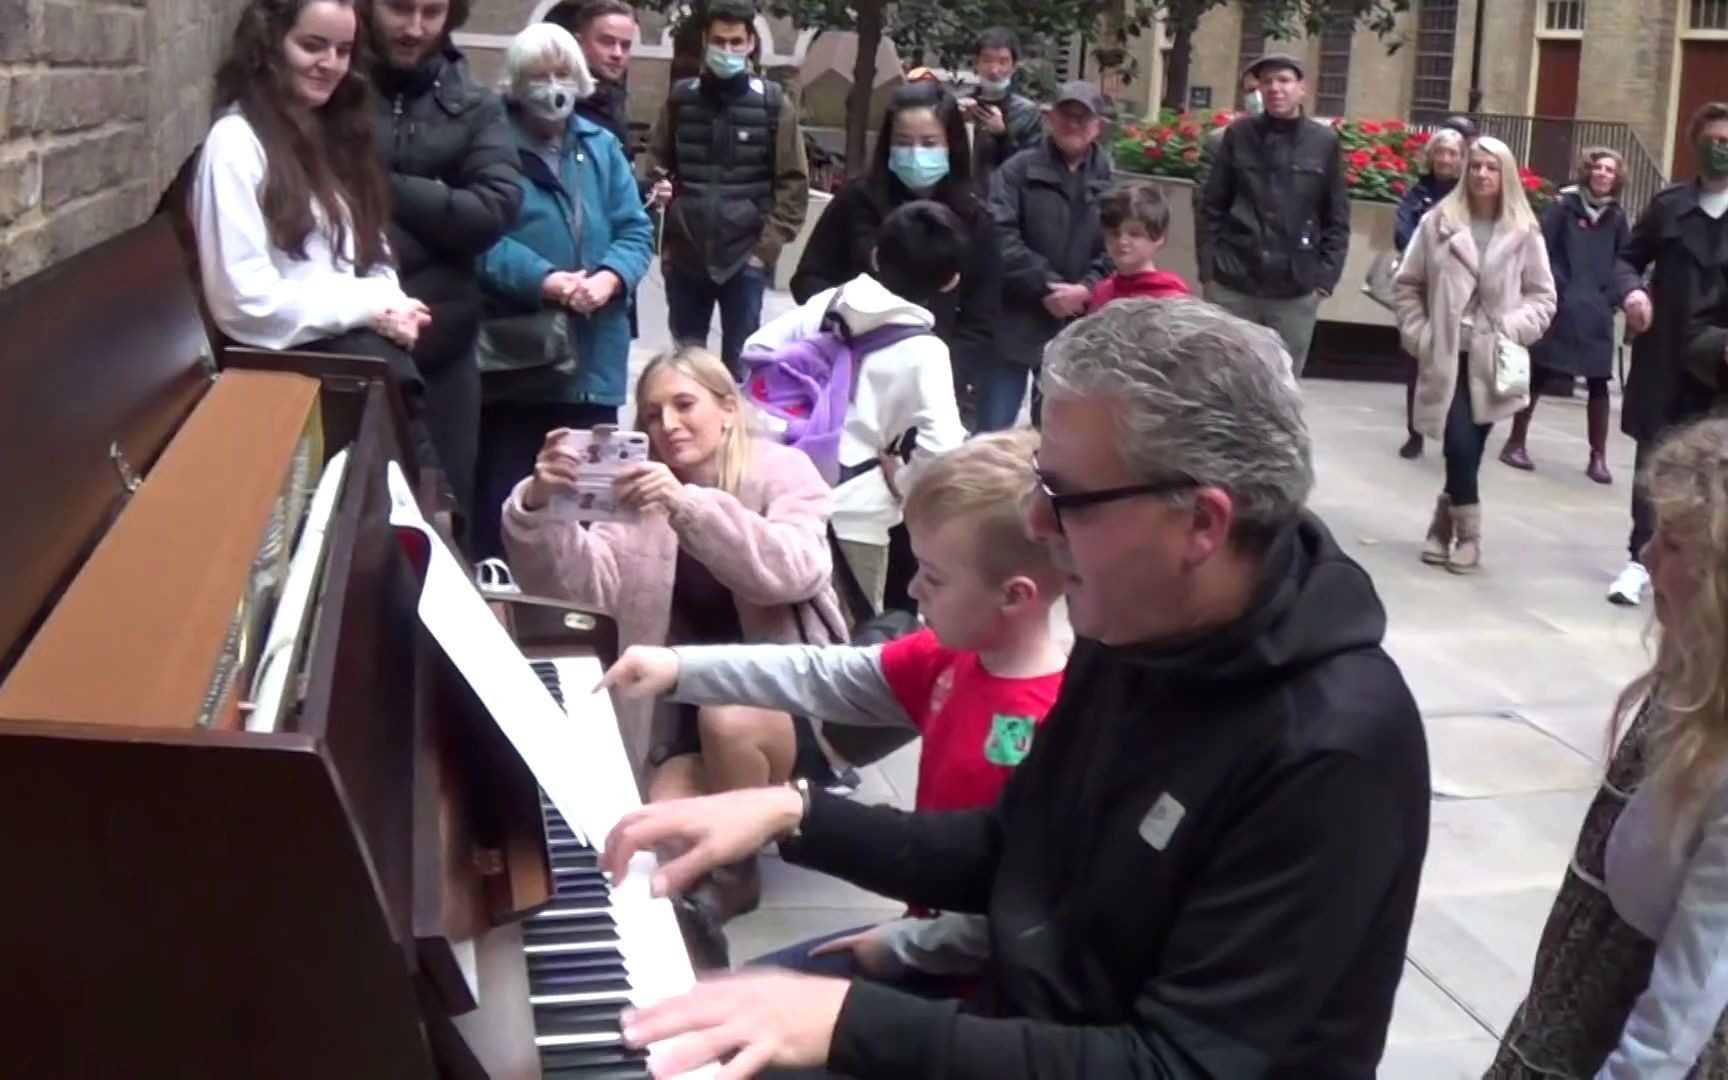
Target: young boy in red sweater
x=1136, y=220
x=975, y=682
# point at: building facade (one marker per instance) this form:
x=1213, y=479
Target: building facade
x=1647, y=64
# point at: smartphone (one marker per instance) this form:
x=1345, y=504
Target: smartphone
x=604, y=451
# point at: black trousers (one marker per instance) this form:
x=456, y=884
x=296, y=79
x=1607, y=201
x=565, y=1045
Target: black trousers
x=1694, y=402
x=511, y=434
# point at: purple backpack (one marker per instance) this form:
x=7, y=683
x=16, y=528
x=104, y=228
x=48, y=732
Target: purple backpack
x=804, y=389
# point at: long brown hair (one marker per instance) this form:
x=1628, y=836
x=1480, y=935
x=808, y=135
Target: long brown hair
x=1687, y=686
x=323, y=157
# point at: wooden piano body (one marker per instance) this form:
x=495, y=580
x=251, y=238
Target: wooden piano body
x=187, y=901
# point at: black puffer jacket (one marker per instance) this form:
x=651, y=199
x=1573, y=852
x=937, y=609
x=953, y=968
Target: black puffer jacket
x=1276, y=212
x=1206, y=869
x=455, y=187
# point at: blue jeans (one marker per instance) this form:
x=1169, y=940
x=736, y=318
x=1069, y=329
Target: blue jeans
x=1464, y=443
x=690, y=301
x=998, y=389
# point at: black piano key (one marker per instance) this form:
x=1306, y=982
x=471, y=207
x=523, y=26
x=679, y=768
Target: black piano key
x=625, y=1071
x=589, y=1057
x=554, y=934
x=575, y=858
x=577, y=887
x=577, y=982
x=578, y=1020
x=595, y=960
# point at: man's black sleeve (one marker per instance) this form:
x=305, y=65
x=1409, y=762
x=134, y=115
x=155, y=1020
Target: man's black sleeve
x=942, y=861
x=1272, y=921
x=463, y=215
x=1217, y=192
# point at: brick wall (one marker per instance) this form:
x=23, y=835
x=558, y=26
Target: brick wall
x=99, y=104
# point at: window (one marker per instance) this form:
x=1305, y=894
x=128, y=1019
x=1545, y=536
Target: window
x=1334, y=83
x=1563, y=16
x=1436, y=42
x=1709, y=15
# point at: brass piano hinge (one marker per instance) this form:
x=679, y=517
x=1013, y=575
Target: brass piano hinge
x=129, y=479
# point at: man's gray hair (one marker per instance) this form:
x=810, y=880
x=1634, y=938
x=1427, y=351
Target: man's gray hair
x=1203, y=395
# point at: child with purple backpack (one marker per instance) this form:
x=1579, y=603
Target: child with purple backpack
x=859, y=380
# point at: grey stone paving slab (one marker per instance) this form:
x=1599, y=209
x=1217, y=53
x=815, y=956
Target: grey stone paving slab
x=1489, y=846
x=1480, y=946
x=1463, y=1059
x=1475, y=755
x=1426, y=1014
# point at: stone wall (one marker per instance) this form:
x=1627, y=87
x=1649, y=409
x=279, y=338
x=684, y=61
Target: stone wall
x=100, y=102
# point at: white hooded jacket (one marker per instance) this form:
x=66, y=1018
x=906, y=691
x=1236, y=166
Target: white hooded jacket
x=908, y=386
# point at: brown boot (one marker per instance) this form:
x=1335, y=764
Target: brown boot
x=1467, y=529
x=1437, y=548
x=1514, y=453
x=1597, y=416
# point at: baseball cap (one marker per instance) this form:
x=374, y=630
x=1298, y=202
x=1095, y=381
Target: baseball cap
x=1081, y=92
x=1276, y=60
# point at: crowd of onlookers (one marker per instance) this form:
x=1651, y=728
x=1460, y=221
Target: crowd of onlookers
x=1199, y=855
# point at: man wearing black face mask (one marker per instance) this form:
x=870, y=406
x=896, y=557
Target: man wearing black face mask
x=455, y=191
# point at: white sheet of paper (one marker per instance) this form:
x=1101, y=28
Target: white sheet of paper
x=554, y=746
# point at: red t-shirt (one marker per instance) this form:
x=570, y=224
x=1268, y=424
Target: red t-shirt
x=1151, y=284
x=976, y=726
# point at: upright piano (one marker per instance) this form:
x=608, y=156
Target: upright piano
x=372, y=885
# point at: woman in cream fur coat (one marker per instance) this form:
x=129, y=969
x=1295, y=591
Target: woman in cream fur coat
x=1477, y=268
x=729, y=545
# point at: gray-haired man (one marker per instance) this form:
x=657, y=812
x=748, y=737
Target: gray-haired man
x=1209, y=863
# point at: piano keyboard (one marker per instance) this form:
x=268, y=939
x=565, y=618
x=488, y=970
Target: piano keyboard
x=596, y=949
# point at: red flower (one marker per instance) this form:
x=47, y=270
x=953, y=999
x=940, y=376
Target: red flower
x=1132, y=131
x=1400, y=164
x=1361, y=158
x=1165, y=133
x=1351, y=178
x=1532, y=183
x=1411, y=142
x=1189, y=131
x=1191, y=154
x=1221, y=118
x=1394, y=125
x=1399, y=187
x=1422, y=137
x=1154, y=152
x=1369, y=127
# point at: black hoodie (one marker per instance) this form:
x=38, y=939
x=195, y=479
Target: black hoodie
x=1206, y=868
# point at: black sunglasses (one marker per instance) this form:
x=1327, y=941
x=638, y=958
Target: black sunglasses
x=1061, y=503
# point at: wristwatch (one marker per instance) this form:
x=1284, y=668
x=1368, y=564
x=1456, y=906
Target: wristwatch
x=802, y=787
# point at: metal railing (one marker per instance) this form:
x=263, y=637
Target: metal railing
x=1550, y=145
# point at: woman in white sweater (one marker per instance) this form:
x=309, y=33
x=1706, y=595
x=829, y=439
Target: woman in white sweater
x=289, y=202
x=1631, y=977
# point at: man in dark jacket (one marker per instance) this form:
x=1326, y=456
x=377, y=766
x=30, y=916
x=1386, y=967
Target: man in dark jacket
x=456, y=190
x=730, y=140
x=1209, y=863
x=1003, y=122
x=606, y=30
x=1679, y=369
x=1275, y=230
x=1045, y=204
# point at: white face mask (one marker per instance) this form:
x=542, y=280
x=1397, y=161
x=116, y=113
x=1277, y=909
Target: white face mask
x=550, y=99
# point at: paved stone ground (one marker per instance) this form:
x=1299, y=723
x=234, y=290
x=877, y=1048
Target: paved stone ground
x=1515, y=669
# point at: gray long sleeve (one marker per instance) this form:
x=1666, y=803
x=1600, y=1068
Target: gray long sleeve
x=951, y=944
x=837, y=684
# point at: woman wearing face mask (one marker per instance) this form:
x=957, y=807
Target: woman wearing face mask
x=1443, y=164
x=1476, y=272
x=729, y=545
x=1629, y=981
x=555, y=344
x=921, y=154
x=1586, y=231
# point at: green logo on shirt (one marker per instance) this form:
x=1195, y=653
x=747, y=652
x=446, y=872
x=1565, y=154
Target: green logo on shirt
x=1010, y=739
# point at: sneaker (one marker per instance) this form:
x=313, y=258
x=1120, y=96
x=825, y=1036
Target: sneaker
x=1628, y=588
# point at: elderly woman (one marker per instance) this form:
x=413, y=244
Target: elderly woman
x=1442, y=165
x=1475, y=275
x=555, y=345
x=727, y=544
x=1629, y=980
x=1586, y=230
